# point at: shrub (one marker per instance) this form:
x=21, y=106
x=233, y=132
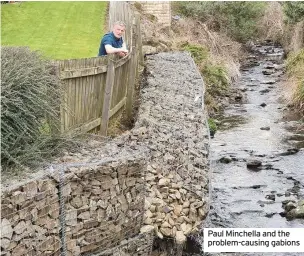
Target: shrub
x=30, y=98
x=216, y=78
x=217, y=85
x=212, y=126
x=198, y=52
x=236, y=19
x=294, y=11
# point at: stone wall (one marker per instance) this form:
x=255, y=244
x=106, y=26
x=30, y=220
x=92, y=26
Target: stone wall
x=172, y=124
x=104, y=206
x=29, y=219
x=117, y=196
x=160, y=9
x=101, y=205
x=140, y=245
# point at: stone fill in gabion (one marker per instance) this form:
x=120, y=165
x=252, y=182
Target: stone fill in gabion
x=172, y=124
x=102, y=198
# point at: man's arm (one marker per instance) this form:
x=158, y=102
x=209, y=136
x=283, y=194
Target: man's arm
x=124, y=53
x=124, y=46
x=110, y=49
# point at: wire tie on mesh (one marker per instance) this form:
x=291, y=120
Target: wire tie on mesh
x=62, y=212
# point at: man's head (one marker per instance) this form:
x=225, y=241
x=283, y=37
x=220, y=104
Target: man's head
x=119, y=28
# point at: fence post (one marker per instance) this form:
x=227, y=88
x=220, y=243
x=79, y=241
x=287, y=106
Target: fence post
x=133, y=71
x=63, y=107
x=56, y=123
x=107, y=97
x=131, y=85
x=139, y=43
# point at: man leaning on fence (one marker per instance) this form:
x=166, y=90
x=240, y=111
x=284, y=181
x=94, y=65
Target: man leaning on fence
x=112, y=42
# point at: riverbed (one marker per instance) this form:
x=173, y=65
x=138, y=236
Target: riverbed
x=257, y=155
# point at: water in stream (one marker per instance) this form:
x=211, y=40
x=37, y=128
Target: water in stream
x=257, y=129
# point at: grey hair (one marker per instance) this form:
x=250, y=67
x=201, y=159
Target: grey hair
x=120, y=23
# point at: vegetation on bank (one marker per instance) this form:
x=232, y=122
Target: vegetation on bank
x=294, y=19
x=60, y=30
x=294, y=11
x=202, y=32
x=236, y=19
x=30, y=99
x=212, y=126
x=226, y=24
x=295, y=71
x=282, y=22
x=215, y=75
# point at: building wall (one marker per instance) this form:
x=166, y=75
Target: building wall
x=161, y=10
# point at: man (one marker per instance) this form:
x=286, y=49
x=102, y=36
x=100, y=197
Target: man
x=112, y=42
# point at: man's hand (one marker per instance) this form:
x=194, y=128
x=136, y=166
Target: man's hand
x=124, y=50
x=121, y=54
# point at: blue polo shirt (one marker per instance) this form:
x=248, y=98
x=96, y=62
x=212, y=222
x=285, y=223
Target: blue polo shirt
x=110, y=39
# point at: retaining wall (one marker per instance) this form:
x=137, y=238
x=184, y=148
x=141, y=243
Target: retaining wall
x=116, y=196
x=76, y=208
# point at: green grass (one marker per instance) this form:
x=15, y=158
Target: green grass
x=60, y=30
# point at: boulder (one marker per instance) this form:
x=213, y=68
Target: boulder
x=266, y=128
x=146, y=229
x=253, y=163
x=180, y=238
x=6, y=229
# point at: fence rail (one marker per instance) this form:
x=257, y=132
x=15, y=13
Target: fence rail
x=95, y=89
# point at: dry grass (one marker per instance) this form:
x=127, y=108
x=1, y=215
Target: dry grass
x=222, y=65
x=295, y=71
x=293, y=94
x=272, y=25
x=114, y=127
x=291, y=37
x=222, y=50
x=297, y=38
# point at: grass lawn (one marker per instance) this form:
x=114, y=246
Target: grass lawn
x=60, y=30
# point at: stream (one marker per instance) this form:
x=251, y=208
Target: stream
x=257, y=154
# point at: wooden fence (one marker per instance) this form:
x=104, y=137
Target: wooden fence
x=97, y=88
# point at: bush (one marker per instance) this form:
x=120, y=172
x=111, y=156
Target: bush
x=216, y=78
x=30, y=100
x=212, y=126
x=236, y=19
x=198, y=52
x=294, y=11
